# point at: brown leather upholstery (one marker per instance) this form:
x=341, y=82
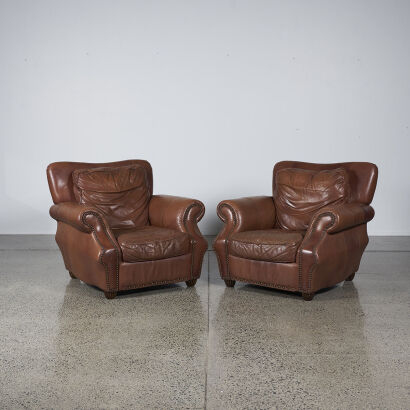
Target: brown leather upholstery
x=300, y=193
x=362, y=176
x=241, y=215
x=60, y=176
x=271, y=245
x=332, y=245
x=277, y=275
x=181, y=214
x=121, y=194
x=151, y=243
x=164, y=244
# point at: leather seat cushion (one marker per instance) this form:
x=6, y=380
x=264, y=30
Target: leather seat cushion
x=121, y=194
x=272, y=245
x=299, y=193
x=151, y=243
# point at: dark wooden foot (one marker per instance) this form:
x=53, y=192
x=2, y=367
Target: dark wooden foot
x=229, y=283
x=190, y=283
x=307, y=296
x=351, y=277
x=110, y=295
x=71, y=275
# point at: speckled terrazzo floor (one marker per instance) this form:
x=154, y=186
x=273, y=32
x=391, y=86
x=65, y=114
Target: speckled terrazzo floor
x=63, y=345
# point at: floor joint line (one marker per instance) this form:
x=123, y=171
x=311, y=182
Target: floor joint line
x=207, y=343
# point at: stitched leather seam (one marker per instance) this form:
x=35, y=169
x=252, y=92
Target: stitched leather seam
x=185, y=219
x=262, y=260
x=137, y=245
x=314, y=265
x=66, y=221
x=235, y=221
x=159, y=259
x=106, y=267
x=266, y=243
x=192, y=258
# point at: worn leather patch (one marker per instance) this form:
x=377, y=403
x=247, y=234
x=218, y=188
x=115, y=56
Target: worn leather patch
x=271, y=245
x=121, y=194
x=300, y=193
x=152, y=243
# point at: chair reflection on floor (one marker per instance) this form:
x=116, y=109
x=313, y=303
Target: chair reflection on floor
x=142, y=348
x=281, y=344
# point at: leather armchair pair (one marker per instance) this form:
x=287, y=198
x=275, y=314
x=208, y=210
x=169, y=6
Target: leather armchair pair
x=115, y=234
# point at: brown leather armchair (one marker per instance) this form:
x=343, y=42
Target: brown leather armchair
x=308, y=236
x=114, y=234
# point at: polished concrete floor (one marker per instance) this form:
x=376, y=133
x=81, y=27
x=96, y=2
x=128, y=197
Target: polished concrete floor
x=63, y=345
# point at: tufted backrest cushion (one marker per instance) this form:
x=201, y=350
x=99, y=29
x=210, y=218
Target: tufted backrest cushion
x=121, y=194
x=299, y=193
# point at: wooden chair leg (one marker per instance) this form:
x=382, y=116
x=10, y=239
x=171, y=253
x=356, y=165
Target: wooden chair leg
x=191, y=283
x=71, y=275
x=110, y=295
x=351, y=277
x=229, y=283
x=307, y=296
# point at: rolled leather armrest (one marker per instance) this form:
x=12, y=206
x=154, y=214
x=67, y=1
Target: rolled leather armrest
x=249, y=213
x=333, y=245
x=181, y=214
x=243, y=214
x=338, y=218
x=72, y=214
x=175, y=212
x=85, y=219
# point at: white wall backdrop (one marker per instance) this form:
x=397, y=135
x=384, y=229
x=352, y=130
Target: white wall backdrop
x=212, y=93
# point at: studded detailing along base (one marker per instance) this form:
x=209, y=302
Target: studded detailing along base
x=309, y=235
x=114, y=234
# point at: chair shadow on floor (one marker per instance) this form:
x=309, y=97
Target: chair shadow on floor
x=285, y=293
x=95, y=292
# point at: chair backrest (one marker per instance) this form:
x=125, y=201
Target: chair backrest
x=362, y=176
x=60, y=176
